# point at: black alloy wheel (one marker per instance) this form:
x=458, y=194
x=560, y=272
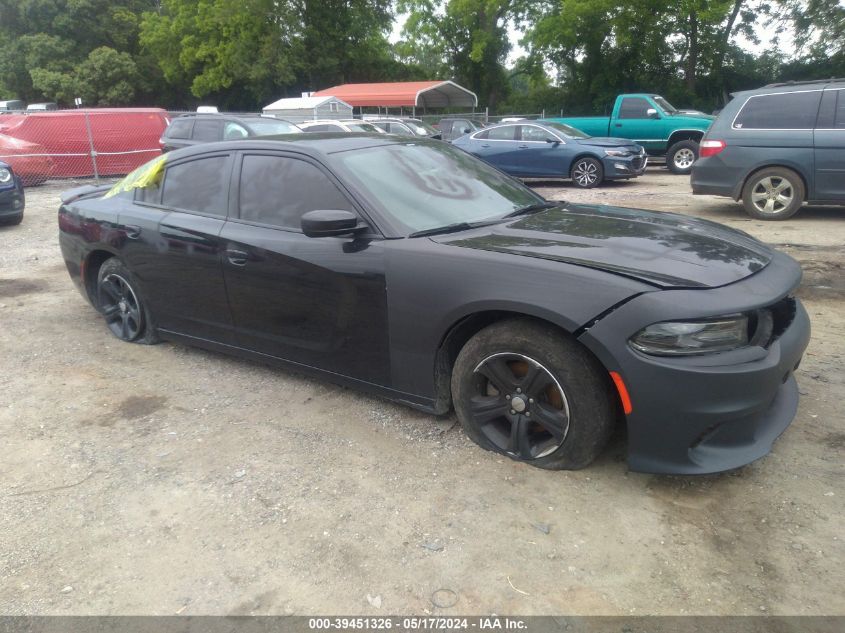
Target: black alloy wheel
x=519, y=406
x=119, y=301
x=531, y=392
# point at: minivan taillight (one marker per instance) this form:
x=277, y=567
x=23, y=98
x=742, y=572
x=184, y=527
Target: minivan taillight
x=711, y=148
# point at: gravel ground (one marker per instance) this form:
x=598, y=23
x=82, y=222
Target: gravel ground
x=166, y=479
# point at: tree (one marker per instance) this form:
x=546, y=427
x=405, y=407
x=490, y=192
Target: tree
x=468, y=37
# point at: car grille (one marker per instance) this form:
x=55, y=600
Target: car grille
x=637, y=162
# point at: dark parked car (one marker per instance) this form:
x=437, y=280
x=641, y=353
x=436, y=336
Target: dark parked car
x=12, y=199
x=415, y=271
x=452, y=128
x=543, y=150
x=191, y=129
x=776, y=148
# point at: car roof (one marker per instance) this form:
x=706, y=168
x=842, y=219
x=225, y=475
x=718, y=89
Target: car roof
x=789, y=86
x=224, y=115
x=313, y=144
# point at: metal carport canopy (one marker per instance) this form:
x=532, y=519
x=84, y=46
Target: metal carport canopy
x=427, y=94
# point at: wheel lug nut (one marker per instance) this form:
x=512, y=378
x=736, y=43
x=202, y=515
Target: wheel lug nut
x=531, y=400
x=527, y=414
x=513, y=412
x=518, y=390
x=508, y=397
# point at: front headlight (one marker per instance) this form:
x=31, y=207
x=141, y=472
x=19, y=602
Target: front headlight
x=619, y=153
x=680, y=338
x=5, y=175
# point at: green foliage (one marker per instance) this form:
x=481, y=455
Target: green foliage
x=240, y=54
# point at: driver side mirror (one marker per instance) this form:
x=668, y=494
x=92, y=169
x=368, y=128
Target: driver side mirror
x=466, y=130
x=330, y=222
x=651, y=113
x=553, y=141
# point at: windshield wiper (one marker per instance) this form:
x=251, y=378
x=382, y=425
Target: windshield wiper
x=531, y=208
x=451, y=228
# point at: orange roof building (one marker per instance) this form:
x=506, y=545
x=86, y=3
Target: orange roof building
x=412, y=94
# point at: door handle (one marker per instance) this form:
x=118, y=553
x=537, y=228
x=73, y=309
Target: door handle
x=523, y=147
x=617, y=124
x=237, y=258
x=133, y=232
x=485, y=145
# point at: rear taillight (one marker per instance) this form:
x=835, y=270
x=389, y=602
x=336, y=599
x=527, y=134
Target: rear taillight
x=711, y=148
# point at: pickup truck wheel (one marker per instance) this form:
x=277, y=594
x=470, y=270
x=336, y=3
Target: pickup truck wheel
x=681, y=156
x=773, y=194
x=587, y=173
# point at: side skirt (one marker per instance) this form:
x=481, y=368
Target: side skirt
x=427, y=405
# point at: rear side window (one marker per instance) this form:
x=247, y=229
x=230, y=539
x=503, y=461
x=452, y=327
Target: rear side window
x=634, y=108
x=321, y=128
x=277, y=190
x=783, y=111
x=536, y=134
x=208, y=130
x=506, y=133
x=234, y=131
x=180, y=128
x=200, y=186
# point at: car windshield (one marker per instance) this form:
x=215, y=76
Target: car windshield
x=363, y=127
x=427, y=186
x=667, y=107
x=566, y=130
x=271, y=127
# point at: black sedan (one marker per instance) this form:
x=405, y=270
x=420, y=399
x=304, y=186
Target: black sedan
x=12, y=198
x=412, y=270
x=543, y=149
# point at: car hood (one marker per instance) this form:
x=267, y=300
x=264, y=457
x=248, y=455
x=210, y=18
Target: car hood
x=663, y=249
x=693, y=115
x=606, y=141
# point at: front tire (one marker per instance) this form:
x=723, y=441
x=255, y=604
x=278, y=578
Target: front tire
x=773, y=194
x=121, y=305
x=531, y=392
x=681, y=156
x=587, y=173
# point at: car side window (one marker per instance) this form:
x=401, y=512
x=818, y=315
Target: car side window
x=634, y=108
x=482, y=136
x=278, y=190
x=319, y=128
x=839, y=118
x=207, y=130
x=504, y=133
x=536, y=134
x=779, y=111
x=180, y=128
x=233, y=131
x=200, y=186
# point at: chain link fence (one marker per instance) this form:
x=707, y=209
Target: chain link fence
x=109, y=142
x=80, y=143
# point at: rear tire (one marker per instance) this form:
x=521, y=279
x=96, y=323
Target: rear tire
x=681, y=156
x=12, y=220
x=121, y=304
x=587, y=173
x=775, y=193
x=531, y=392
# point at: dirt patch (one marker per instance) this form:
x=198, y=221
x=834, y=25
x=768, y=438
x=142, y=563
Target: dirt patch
x=135, y=407
x=19, y=287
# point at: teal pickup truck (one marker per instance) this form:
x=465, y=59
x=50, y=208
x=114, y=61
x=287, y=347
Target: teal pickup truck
x=652, y=122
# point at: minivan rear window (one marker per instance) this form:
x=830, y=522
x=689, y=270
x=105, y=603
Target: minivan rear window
x=779, y=111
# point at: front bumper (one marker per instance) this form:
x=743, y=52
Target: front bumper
x=12, y=201
x=708, y=413
x=624, y=167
